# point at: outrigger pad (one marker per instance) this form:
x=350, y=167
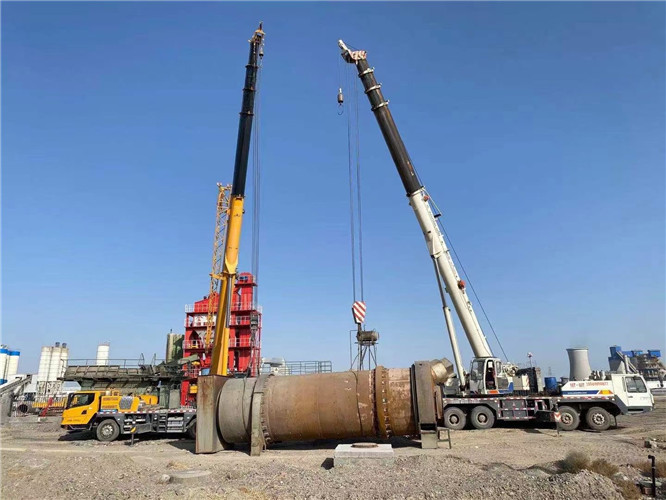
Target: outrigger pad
x=209, y=439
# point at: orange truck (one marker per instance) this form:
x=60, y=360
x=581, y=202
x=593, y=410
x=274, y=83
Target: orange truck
x=109, y=414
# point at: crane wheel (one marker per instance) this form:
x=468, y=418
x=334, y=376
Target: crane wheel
x=107, y=430
x=598, y=419
x=482, y=417
x=570, y=419
x=455, y=418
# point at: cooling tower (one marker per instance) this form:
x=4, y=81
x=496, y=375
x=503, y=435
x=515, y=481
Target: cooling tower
x=579, y=364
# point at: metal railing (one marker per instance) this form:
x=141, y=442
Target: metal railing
x=244, y=305
x=298, y=368
x=192, y=372
x=29, y=404
x=120, y=363
x=194, y=344
x=199, y=344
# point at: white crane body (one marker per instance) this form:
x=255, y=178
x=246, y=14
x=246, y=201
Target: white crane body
x=447, y=270
x=487, y=394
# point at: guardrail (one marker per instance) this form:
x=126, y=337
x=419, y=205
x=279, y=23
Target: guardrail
x=298, y=368
x=30, y=405
x=119, y=363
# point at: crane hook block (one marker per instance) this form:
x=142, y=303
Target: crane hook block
x=341, y=97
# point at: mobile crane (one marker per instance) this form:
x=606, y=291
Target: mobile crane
x=487, y=394
x=220, y=358
x=488, y=375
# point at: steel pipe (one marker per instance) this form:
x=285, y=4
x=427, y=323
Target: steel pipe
x=354, y=404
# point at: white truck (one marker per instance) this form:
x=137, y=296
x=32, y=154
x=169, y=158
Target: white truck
x=490, y=392
x=595, y=402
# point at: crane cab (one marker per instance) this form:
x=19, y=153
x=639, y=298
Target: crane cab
x=487, y=377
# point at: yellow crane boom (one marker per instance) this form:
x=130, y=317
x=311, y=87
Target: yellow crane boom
x=220, y=360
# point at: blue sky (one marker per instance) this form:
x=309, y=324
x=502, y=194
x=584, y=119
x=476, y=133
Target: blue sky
x=538, y=129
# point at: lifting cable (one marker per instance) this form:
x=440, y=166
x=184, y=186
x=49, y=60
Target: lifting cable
x=256, y=201
x=469, y=281
x=354, y=171
x=256, y=179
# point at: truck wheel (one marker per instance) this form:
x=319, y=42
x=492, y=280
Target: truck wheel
x=570, y=420
x=598, y=419
x=482, y=417
x=455, y=418
x=107, y=430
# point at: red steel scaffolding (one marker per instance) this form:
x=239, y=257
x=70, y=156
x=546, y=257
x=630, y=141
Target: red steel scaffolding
x=244, y=337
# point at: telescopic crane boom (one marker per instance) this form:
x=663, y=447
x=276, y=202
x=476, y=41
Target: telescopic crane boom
x=220, y=359
x=419, y=201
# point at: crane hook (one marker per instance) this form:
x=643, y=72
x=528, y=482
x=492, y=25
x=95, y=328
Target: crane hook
x=341, y=100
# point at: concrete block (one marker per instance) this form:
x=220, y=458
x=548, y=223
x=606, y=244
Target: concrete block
x=187, y=476
x=363, y=454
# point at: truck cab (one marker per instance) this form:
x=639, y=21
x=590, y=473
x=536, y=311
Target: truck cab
x=487, y=377
x=630, y=390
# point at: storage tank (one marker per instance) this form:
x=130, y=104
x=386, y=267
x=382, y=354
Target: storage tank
x=12, y=364
x=44, y=363
x=4, y=355
x=102, y=358
x=52, y=362
x=579, y=364
x=551, y=384
x=64, y=358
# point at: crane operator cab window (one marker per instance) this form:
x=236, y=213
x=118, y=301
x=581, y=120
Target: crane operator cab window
x=80, y=399
x=490, y=375
x=476, y=376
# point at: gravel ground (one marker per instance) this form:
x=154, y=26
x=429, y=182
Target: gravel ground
x=40, y=461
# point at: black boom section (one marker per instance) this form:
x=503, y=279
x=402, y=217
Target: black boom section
x=246, y=115
x=403, y=162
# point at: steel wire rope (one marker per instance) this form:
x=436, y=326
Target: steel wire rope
x=256, y=182
x=350, y=162
x=358, y=190
x=256, y=205
x=471, y=285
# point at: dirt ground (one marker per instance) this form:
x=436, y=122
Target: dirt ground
x=39, y=460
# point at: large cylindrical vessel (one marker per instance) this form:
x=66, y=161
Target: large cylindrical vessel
x=12, y=364
x=44, y=362
x=102, y=358
x=375, y=403
x=4, y=355
x=579, y=364
x=54, y=364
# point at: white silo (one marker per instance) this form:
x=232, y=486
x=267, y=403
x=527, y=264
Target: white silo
x=44, y=362
x=52, y=365
x=579, y=364
x=102, y=354
x=4, y=357
x=64, y=358
x=13, y=363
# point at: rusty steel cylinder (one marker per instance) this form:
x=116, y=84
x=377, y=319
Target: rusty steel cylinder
x=373, y=403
